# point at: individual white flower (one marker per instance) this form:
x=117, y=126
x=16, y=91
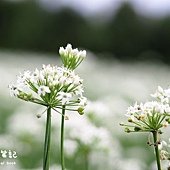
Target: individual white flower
x=164, y=99
x=162, y=144
x=21, y=79
x=133, y=109
x=162, y=95
x=159, y=92
x=42, y=90
x=83, y=101
x=165, y=124
x=167, y=108
x=54, y=81
x=76, y=79
x=64, y=97
x=13, y=90
x=79, y=90
x=150, y=107
x=63, y=80
x=160, y=89
x=36, y=74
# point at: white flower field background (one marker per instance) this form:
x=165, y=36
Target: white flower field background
x=93, y=141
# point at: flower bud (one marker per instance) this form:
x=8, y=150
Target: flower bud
x=81, y=110
x=75, y=52
x=62, y=51
x=38, y=115
x=165, y=124
x=130, y=119
x=168, y=120
x=69, y=48
x=137, y=129
x=66, y=117
x=127, y=130
x=82, y=54
x=121, y=124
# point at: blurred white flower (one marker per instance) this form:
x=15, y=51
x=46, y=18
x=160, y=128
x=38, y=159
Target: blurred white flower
x=89, y=135
x=129, y=164
x=71, y=147
x=17, y=126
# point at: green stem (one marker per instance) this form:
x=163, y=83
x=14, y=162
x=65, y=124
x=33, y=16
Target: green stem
x=86, y=155
x=46, y=157
x=155, y=137
x=62, y=138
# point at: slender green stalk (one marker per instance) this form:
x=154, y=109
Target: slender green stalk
x=46, y=157
x=155, y=137
x=62, y=138
x=86, y=157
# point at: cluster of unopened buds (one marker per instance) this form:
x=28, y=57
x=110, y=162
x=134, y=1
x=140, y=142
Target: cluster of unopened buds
x=54, y=86
x=71, y=58
x=149, y=116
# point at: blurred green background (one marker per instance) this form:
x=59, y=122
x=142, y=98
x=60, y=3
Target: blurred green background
x=126, y=34
x=127, y=45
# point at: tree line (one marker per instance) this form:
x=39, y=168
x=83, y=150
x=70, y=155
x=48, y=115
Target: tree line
x=127, y=35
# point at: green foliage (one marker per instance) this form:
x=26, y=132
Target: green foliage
x=27, y=26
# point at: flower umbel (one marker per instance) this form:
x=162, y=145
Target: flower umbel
x=147, y=117
x=50, y=86
x=71, y=58
x=151, y=117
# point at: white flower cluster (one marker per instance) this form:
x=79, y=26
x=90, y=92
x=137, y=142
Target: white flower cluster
x=50, y=86
x=148, y=108
x=89, y=136
x=71, y=58
x=162, y=95
x=150, y=115
x=164, y=148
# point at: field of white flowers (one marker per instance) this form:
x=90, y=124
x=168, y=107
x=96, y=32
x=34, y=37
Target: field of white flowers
x=94, y=141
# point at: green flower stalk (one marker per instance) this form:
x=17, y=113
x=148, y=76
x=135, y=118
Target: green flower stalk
x=62, y=139
x=56, y=88
x=46, y=158
x=71, y=59
x=150, y=117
